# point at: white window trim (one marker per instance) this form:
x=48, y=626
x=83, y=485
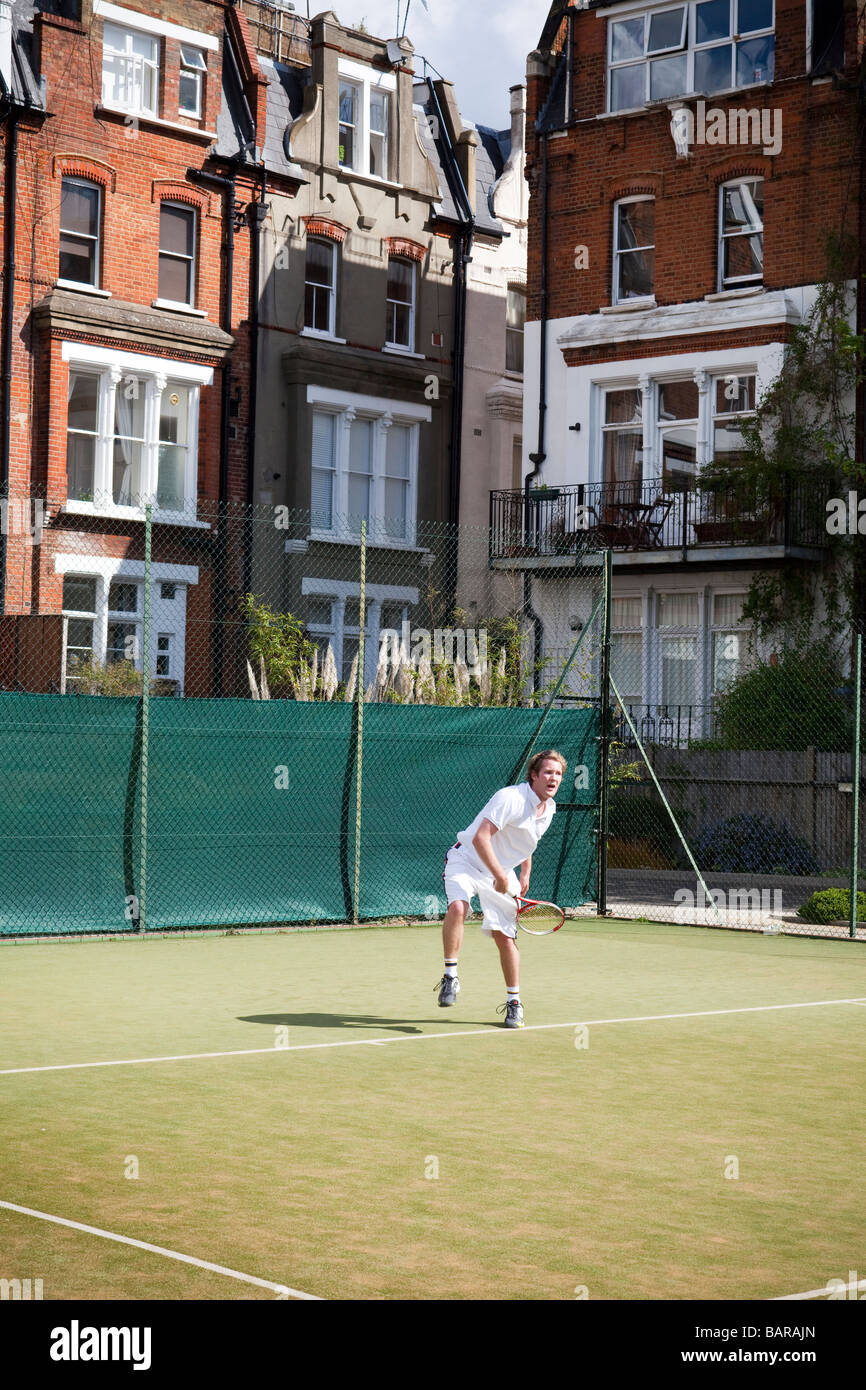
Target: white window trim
x=368, y=79
x=156, y=373
x=192, y=260
x=347, y=405
x=705, y=377
x=413, y=308
x=149, y=24
x=94, y=285
x=143, y=111
x=637, y=300
x=199, y=74
x=636, y=11
x=736, y=282
x=331, y=331
x=166, y=615
x=340, y=591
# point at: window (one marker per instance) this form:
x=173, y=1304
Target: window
x=124, y=625
x=130, y=70
x=734, y=403
x=729, y=640
x=365, y=97
x=79, y=232
x=177, y=228
x=626, y=649
x=333, y=618
x=677, y=623
x=515, y=321
x=131, y=438
x=704, y=46
x=366, y=472
x=741, y=234
x=192, y=73
x=165, y=654
x=678, y=408
x=79, y=617
x=320, y=305
x=400, y=329
x=634, y=249
x=623, y=440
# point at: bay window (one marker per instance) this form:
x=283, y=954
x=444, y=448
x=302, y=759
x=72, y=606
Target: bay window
x=132, y=432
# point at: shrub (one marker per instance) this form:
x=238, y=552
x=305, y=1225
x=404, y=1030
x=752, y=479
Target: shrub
x=832, y=905
x=793, y=705
x=745, y=844
x=643, y=818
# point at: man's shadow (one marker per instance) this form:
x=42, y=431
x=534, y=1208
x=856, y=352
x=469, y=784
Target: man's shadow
x=343, y=1021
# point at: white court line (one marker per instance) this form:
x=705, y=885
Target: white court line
x=160, y=1250
x=424, y=1037
x=838, y=1287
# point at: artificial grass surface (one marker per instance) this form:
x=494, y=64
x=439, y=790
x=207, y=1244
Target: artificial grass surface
x=559, y=1167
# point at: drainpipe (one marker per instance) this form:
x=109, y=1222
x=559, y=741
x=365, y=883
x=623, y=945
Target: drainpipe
x=229, y=188
x=12, y=114
x=260, y=212
x=537, y=459
x=462, y=256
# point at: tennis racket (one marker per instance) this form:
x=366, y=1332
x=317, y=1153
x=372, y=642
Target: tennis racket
x=538, y=918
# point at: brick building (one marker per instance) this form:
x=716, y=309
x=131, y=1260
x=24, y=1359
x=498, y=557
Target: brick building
x=129, y=142
x=687, y=163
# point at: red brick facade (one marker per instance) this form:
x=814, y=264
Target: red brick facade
x=138, y=162
x=811, y=185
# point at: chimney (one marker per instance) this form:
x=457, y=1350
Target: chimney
x=6, y=43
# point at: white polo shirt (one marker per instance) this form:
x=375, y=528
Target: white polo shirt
x=514, y=811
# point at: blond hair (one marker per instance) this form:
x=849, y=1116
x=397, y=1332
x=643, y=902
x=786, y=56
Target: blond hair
x=539, y=758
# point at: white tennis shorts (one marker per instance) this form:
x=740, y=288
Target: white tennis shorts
x=464, y=881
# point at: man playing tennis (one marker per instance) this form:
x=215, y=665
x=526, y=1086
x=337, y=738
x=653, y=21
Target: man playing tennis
x=502, y=837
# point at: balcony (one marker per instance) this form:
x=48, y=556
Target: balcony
x=657, y=521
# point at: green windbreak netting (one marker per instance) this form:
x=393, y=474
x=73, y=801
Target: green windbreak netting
x=251, y=809
x=423, y=782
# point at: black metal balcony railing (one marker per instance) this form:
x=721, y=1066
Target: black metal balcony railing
x=656, y=514
x=671, y=726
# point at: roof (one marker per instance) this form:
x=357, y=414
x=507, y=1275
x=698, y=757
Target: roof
x=494, y=147
x=27, y=88
x=285, y=102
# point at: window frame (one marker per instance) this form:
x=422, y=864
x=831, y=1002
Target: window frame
x=512, y=333
x=391, y=317
x=155, y=377
x=331, y=330
x=96, y=282
x=689, y=48
x=196, y=71
x=620, y=203
x=737, y=282
x=191, y=213
x=135, y=60
x=364, y=80
x=345, y=407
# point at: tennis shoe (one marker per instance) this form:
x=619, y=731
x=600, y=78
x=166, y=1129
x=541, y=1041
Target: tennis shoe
x=513, y=1011
x=448, y=988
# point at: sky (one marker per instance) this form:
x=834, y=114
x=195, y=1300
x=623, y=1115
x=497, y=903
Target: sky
x=479, y=45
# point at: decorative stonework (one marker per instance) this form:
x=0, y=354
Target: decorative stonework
x=402, y=246
x=325, y=227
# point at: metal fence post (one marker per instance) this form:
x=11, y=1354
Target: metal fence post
x=855, y=785
x=362, y=618
x=145, y=715
x=604, y=739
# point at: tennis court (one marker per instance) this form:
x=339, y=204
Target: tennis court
x=292, y=1115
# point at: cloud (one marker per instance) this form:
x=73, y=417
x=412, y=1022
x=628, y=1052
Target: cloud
x=482, y=51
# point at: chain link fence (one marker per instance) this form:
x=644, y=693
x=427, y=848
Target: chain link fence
x=742, y=813
x=326, y=705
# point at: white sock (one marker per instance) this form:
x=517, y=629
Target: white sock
x=451, y=969
x=513, y=995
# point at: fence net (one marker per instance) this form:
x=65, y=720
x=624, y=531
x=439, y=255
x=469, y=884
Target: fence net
x=290, y=761
x=760, y=783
